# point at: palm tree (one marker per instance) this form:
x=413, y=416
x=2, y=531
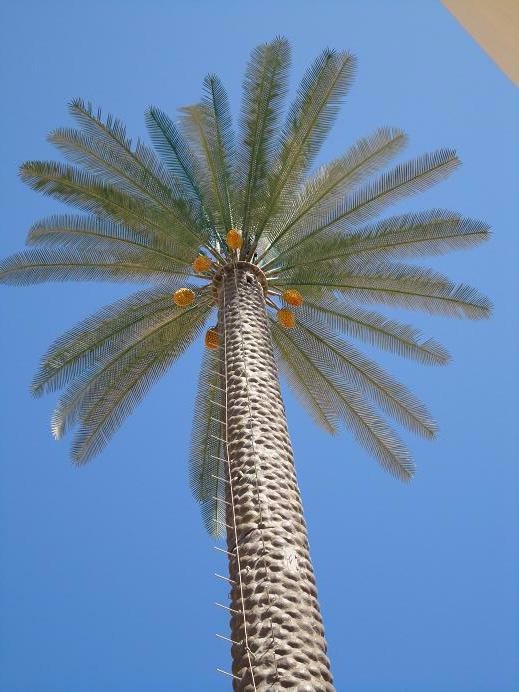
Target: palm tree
x=288, y=259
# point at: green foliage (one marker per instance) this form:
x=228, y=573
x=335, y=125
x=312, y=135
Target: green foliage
x=367, y=378
x=331, y=182
x=308, y=122
x=122, y=373
x=342, y=315
x=93, y=232
x=392, y=284
x=413, y=235
x=265, y=85
x=207, y=470
x=86, y=264
x=147, y=216
x=178, y=156
x=363, y=203
x=103, y=335
x=208, y=128
x=332, y=400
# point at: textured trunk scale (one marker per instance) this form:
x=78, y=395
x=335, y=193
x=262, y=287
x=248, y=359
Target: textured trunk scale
x=272, y=576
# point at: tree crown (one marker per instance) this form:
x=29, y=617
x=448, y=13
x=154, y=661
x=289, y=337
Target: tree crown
x=204, y=198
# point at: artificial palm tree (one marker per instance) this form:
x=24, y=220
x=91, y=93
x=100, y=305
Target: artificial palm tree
x=287, y=258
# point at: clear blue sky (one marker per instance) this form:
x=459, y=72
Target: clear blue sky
x=106, y=582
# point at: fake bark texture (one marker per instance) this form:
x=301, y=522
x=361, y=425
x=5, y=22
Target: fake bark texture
x=275, y=617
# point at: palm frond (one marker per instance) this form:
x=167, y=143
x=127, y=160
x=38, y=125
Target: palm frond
x=104, y=363
x=71, y=403
x=332, y=181
x=114, y=391
x=316, y=399
x=84, y=232
x=350, y=406
x=177, y=155
x=432, y=232
x=343, y=316
x=207, y=471
x=86, y=191
x=411, y=177
x=87, y=264
x=104, y=148
x=411, y=287
x=264, y=87
x=308, y=122
x=103, y=334
x=365, y=376
x=113, y=167
x=209, y=127
x=112, y=129
x=217, y=104
x=117, y=403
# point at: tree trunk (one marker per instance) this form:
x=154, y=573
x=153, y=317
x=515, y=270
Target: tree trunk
x=276, y=625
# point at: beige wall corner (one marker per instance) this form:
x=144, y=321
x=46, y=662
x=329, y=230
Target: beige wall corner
x=494, y=24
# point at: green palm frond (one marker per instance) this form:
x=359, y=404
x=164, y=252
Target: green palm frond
x=94, y=232
x=433, y=232
x=411, y=287
x=87, y=264
x=365, y=376
x=104, y=148
x=112, y=130
x=207, y=471
x=306, y=384
x=342, y=315
x=104, y=400
x=177, y=155
x=411, y=177
x=332, y=181
x=308, y=122
x=216, y=103
x=104, y=334
x=117, y=402
x=90, y=372
x=311, y=373
x=86, y=191
x=111, y=166
x=264, y=87
x=208, y=126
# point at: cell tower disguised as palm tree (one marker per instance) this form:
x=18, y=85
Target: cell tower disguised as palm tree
x=277, y=262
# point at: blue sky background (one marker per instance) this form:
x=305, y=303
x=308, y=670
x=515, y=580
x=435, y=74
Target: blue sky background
x=106, y=582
